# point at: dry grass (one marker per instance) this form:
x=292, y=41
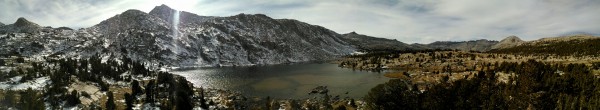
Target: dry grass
x=2, y=93
x=596, y=72
x=399, y=75
x=119, y=94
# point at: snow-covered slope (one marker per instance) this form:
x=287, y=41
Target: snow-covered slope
x=16, y=84
x=193, y=41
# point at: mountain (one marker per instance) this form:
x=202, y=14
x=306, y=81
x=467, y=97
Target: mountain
x=369, y=43
x=131, y=19
x=195, y=40
x=168, y=14
x=22, y=25
x=508, y=42
x=578, y=45
x=474, y=45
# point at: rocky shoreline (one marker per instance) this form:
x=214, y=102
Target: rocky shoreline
x=226, y=99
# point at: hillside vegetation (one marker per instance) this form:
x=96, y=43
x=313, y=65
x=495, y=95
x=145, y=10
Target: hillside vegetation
x=557, y=46
x=537, y=86
x=544, y=74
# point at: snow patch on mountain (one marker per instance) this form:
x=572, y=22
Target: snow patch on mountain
x=15, y=84
x=200, y=40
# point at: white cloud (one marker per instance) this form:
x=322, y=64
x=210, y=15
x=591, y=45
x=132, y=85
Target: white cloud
x=410, y=21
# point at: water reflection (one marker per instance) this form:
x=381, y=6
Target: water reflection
x=285, y=81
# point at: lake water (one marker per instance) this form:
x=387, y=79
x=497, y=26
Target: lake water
x=285, y=81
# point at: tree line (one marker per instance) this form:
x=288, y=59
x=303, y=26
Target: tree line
x=538, y=86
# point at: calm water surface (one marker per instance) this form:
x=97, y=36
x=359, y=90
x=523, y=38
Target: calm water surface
x=285, y=81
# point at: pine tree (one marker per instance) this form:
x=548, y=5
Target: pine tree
x=9, y=98
x=203, y=104
x=110, y=102
x=31, y=100
x=129, y=99
x=150, y=92
x=73, y=98
x=103, y=86
x=183, y=101
x=135, y=88
x=20, y=60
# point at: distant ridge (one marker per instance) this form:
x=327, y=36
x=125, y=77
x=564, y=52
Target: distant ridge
x=369, y=43
x=577, y=45
x=565, y=38
x=473, y=45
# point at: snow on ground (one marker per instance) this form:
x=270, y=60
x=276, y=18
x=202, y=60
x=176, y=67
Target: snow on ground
x=358, y=53
x=14, y=84
x=148, y=106
x=142, y=77
x=72, y=108
x=88, y=88
x=113, y=82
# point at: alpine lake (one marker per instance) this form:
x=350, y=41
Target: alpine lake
x=285, y=81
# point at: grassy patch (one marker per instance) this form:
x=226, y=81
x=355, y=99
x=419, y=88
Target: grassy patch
x=399, y=75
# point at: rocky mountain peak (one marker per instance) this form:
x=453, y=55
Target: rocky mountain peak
x=166, y=13
x=507, y=42
x=1, y=24
x=162, y=10
x=133, y=12
x=163, y=7
x=512, y=39
x=132, y=19
x=22, y=22
x=22, y=25
x=352, y=33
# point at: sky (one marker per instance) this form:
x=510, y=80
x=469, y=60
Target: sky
x=409, y=21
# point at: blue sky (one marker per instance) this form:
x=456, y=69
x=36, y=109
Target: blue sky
x=410, y=21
